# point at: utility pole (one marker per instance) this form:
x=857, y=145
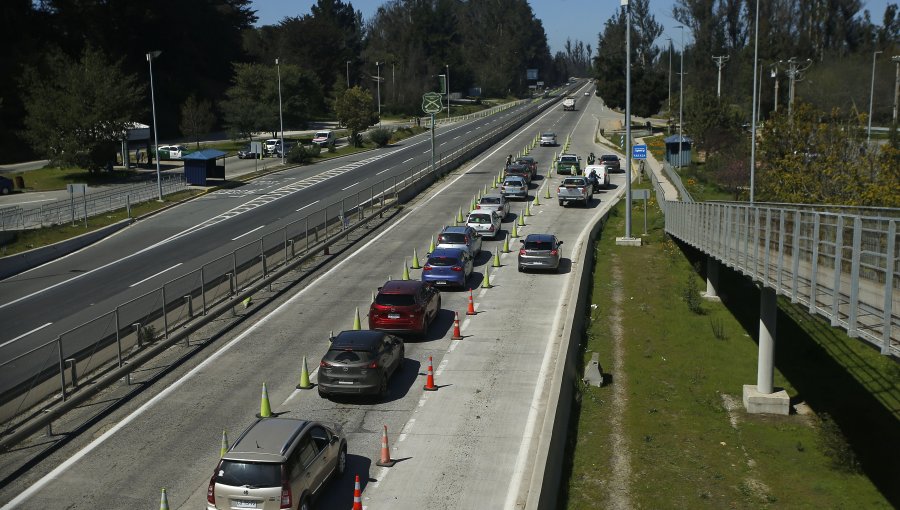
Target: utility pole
x=793, y=72
x=627, y=148
x=774, y=68
x=378, y=81
x=871, y=98
x=720, y=63
x=671, y=49
x=280, y=116
x=681, y=103
x=447, y=79
x=896, y=59
x=753, y=114
x=348, y=74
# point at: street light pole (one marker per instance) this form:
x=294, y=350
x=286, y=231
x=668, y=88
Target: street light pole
x=150, y=57
x=720, y=63
x=896, y=60
x=681, y=104
x=348, y=74
x=280, y=116
x=753, y=120
x=627, y=148
x=775, y=77
x=378, y=81
x=671, y=49
x=447, y=66
x=871, y=98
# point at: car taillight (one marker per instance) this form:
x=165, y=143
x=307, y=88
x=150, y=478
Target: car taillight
x=522, y=252
x=491, y=229
x=456, y=268
x=211, y=491
x=426, y=268
x=477, y=206
x=285, y=495
x=554, y=252
x=373, y=364
x=324, y=364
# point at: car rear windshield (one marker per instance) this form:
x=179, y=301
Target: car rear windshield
x=538, y=245
x=452, y=239
x=395, y=299
x=548, y=135
x=249, y=474
x=348, y=356
x=568, y=159
x=573, y=182
x=609, y=158
x=512, y=183
x=322, y=134
x=490, y=200
x=479, y=218
x=443, y=261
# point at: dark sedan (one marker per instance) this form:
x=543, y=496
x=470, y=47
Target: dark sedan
x=360, y=362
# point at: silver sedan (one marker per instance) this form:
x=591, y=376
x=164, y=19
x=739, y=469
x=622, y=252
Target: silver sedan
x=486, y=223
x=539, y=251
x=494, y=202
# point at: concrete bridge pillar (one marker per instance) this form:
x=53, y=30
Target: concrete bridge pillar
x=763, y=397
x=712, y=279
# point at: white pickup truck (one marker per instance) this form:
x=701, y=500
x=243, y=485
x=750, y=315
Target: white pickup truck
x=574, y=189
x=569, y=104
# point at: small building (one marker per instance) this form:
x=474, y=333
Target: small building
x=678, y=150
x=201, y=165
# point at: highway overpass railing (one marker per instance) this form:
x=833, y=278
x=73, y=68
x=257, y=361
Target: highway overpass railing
x=107, y=347
x=840, y=262
x=79, y=207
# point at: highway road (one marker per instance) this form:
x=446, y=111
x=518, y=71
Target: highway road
x=471, y=444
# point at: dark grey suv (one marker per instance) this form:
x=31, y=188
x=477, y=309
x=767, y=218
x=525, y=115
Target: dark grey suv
x=360, y=362
x=277, y=463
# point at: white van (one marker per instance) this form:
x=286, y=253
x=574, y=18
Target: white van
x=324, y=138
x=271, y=146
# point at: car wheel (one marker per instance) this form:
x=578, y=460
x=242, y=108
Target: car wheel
x=5, y=191
x=322, y=394
x=521, y=269
x=342, y=461
x=304, y=503
x=560, y=202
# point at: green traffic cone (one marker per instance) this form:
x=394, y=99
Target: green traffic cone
x=223, y=449
x=304, y=377
x=521, y=221
x=459, y=216
x=547, y=194
x=415, y=260
x=515, y=232
x=265, y=410
x=356, y=324
x=431, y=246
x=497, y=257
x=163, y=501
x=405, y=272
x=506, y=242
x=537, y=199
x=527, y=209
x=486, y=283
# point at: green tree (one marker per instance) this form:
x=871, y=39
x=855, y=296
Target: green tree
x=197, y=118
x=77, y=111
x=354, y=110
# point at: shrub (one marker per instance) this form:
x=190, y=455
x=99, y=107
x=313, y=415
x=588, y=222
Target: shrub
x=303, y=153
x=691, y=294
x=380, y=136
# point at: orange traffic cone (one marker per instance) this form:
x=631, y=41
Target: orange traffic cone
x=385, y=452
x=429, y=381
x=471, y=310
x=457, y=335
x=357, y=495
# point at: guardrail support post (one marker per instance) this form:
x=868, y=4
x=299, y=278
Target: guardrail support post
x=836, y=287
x=118, y=339
x=712, y=278
x=234, y=272
x=190, y=306
x=889, y=259
x=137, y=334
x=73, y=372
x=165, y=316
x=62, y=369
x=203, y=289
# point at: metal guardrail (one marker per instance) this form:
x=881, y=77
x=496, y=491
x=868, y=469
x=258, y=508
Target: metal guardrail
x=77, y=208
x=841, y=262
x=673, y=176
x=126, y=332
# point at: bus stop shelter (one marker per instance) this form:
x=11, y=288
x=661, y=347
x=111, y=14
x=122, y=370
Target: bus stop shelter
x=201, y=165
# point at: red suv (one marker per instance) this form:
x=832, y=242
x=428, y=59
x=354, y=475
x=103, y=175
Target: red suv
x=406, y=306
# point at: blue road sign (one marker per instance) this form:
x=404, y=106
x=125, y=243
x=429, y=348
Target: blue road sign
x=639, y=152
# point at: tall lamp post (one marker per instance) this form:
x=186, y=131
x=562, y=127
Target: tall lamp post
x=150, y=57
x=627, y=148
x=896, y=59
x=280, y=116
x=671, y=49
x=378, y=81
x=753, y=120
x=871, y=98
x=348, y=74
x=681, y=103
x=447, y=66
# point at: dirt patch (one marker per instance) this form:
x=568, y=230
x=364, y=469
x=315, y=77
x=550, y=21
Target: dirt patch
x=731, y=405
x=620, y=478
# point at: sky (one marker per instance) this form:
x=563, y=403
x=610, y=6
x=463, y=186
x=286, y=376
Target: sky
x=562, y=19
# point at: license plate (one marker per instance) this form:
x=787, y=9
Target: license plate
x=243, y=503
x=345, y=382
x=393, y=316
x=440, y=283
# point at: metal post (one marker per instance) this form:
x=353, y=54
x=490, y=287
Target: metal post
x=306, y=235
x=280, y=116
x=765, y=368
x=118, y=339
x=671, y=50
x=887, y=306
x=836, y=286
x=234, y=271
x=896, y=60
x=62, y=370
x=795, y=254
x=150, y=57
x=871, y=98
x=73, y=369
x=753, y=116
x=780, y=250
x=190, y=306
x=137, y=334
x=681, y=104
x=432, y=143
x=854, y=278
x=627, y=148
x=164, y=314
x=84, y=204
x=814, y=269
x=203, y=288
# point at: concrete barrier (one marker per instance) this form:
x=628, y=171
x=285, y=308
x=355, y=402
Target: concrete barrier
x=20, y=262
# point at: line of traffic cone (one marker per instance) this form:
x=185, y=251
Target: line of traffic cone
x=223, y=448
x=429, y=378
x=486, y=283
x=415, y=260
x=457, y=334
x=471, y=310
x=385, y=460
x=356, y=325
x=405, y=271
x=304, y=377
x=497, y=257
x=431, y=246
x=521, y=220
x=514, y=234
x=506, y=242
x=527, y=209
x=265, y=410
x=357, y=495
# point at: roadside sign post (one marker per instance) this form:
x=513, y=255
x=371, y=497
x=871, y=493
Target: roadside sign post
x=639, y=152
x=75, y=188
x=642, y=194
x=432, y=104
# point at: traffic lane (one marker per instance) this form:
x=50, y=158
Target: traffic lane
x=269, y=354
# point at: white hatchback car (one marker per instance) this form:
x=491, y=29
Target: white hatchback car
x=486, y=223
x=494, y=202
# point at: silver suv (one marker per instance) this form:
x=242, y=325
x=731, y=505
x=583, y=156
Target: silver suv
x=277, y=463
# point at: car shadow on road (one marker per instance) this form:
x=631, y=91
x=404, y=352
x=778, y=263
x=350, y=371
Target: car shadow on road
x=339, y=493
x=440, y=325
x=565, y=266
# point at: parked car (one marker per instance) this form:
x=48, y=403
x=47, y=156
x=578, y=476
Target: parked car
x=6, y=185
x=611, y=162
x=517, y=169
x=324, y=138
x=406, y=306
x=270, y=146
x=514, y=186
x=494, y=202
x=486, y=223
x=460, y=237
x=539, y=251
x=278, y=463
x=448, y=267
x=248, y=153
x=548, y=138
x=166, y=152
x=360, y=362
x=531, y=163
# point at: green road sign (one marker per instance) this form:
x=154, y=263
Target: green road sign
x=431, y=102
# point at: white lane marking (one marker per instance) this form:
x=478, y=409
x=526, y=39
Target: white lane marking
x=407, y=160
x=350, y=186
x=312, y=378
x=457, y=136
x=407, y=428
x=154, y=276
x=388, y=169
x=247, y=233
x=33, y=201
x=421, y=402
x=4, y=344
x=442, y=366
x=68, y=463
x=453, y=344
x=308, y=205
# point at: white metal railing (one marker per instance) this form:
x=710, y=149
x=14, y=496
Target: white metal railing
x=841, y=262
